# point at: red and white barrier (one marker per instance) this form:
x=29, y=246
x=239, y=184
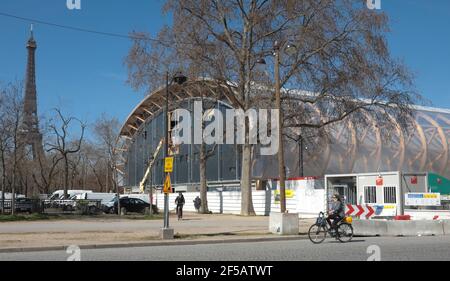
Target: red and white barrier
x=364, y=211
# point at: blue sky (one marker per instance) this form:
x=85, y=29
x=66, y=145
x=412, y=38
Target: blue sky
x=84, y=73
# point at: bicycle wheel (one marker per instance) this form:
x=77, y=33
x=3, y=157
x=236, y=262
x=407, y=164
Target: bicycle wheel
x=317, y=234
x=345, y=232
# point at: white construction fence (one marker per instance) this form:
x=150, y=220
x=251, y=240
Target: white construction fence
x=304, y=196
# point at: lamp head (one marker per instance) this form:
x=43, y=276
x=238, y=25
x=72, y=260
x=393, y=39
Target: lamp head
x=290, y=49
x=261, y=61
x=179, y=78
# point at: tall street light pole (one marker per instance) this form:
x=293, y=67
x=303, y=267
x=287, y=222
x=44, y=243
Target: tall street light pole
x=166, y=152
x=281, y=167
x=167, y=232
x=278, y=47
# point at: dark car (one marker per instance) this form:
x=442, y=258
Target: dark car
x=129, y=205
x=24, y=205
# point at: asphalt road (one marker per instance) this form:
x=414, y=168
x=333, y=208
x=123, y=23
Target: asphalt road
x=361, y=249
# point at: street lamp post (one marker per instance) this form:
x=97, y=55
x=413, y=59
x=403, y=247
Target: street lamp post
x=166, y=152
x=278, y=47
x=281, y=167
x=167, y=233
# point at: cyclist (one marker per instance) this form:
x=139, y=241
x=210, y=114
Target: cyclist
x=179, y=201
x=337, y=212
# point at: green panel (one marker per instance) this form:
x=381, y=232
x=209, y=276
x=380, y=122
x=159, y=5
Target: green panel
x=439, y=184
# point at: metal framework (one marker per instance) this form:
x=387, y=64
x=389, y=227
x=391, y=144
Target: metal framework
x=152, y=106
x=362, y=150
x=350, y=149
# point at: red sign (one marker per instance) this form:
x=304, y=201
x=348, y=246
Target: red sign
x=414, y=180
x=379, y=181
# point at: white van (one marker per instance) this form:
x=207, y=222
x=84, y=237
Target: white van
x=8, y=196
x=59, y=194
x=103, y=197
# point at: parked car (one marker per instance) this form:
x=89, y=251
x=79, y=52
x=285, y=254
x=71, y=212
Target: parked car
x=144, y=197
x=24, y=205
x=128, y=205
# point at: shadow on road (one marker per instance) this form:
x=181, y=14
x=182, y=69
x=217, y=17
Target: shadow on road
x=353, y=241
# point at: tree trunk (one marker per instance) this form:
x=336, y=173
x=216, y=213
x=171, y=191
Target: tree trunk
x=26, y=188
x=3, y=182
x=116, y=187
x=3, y=199
x=203, y=183
x=246, y=177
x=66, y=176
x=246, y=183
x=13, y=198
x=14, y=180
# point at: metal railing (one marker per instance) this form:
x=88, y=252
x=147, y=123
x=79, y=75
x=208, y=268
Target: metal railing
x=83, y=207
x=21, y=205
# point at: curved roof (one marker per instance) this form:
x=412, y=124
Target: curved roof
x=155, y=101
x=427, y=148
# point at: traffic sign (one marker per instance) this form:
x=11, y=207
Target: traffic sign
x=168, y=165
x=364, y=211
x=167, y=185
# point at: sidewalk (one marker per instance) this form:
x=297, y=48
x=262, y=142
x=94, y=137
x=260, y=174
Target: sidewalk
x=99, y=232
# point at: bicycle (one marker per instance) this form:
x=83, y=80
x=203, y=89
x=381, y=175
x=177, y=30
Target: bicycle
x=318, y=231
x=180, y=212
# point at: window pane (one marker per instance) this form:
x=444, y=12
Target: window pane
x=370, y=194
x=390, y=195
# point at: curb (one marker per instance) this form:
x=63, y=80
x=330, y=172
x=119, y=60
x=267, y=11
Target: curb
x=155, y=244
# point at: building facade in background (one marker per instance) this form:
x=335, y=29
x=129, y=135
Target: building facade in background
x=348, y=148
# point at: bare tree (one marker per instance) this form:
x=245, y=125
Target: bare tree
x=11, y=146
x=47, y=171
x=75, y=168
x=97, y=160
x=107, y=131
x=5, y=138
x=63, y=144
x=206, y=152
x=15, y=112
x=340, y=57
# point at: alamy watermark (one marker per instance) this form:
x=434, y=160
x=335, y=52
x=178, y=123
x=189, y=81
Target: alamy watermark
x=73, y=4
x=374, y=252
x=74, y=253
x=374, y=4
x=228, y=129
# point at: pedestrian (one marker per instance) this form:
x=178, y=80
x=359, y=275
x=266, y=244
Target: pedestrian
x=179, y=201
x=197, y=203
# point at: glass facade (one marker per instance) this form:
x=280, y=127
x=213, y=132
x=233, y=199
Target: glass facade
x=223, y=165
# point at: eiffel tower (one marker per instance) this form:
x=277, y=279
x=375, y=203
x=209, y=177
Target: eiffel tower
x=29, y=136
